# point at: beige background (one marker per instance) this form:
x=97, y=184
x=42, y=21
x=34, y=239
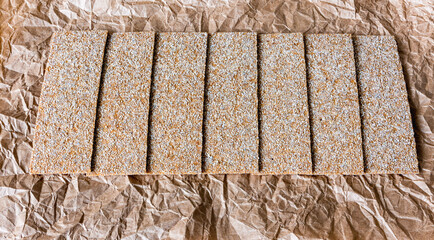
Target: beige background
x=210, y=206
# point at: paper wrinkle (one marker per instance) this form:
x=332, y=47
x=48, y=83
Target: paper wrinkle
x=210, y=206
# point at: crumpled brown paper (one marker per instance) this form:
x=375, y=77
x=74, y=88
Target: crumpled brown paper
x=210, y=206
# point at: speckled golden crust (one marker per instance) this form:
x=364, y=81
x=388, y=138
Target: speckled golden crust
x=231, y=125
x=177, y=106
x=66, y=118
x=335, y=117
x=121, y=137
x=285, y=133
x=387, y=129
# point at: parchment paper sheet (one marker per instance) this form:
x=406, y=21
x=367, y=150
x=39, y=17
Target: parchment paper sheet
x=210, y=206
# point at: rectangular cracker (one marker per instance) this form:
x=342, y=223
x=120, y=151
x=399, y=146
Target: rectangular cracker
x=177, y=104
x=284, y=113
x=334, y=104
x=122, y=123
x=66, y=118
x=231, y=120
x=387, y=129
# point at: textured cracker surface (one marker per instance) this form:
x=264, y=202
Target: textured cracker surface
x=121, y=136
x=387, y=129
x=231, y=124
x=334, y=105
x=66, y=118
x=177, y=107
x=285, y=133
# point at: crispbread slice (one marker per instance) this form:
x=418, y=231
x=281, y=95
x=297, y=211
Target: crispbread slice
x=334, y=104
x=177, y=105
x=231, y=125
x=387, y=129
x=66, y=118
x=285, y=133
x=122, y=128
